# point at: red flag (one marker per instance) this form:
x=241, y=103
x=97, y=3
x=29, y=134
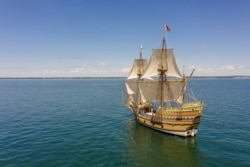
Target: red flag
x=166, y=27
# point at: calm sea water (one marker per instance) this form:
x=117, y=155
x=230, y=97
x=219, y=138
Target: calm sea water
x=84, y=123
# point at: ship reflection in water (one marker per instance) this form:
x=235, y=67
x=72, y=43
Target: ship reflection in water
x=146, y=147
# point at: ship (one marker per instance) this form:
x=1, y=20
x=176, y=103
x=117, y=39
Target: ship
x=159, y=95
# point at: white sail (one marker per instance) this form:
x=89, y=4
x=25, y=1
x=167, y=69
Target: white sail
x=173, y=91
x=149, y=91
x=138, y=68
x=165, y=58
x=133, y=91
x=131, y=86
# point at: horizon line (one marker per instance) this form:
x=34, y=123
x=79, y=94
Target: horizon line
x=227, y=76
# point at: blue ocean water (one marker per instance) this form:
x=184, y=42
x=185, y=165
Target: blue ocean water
x=83, y=122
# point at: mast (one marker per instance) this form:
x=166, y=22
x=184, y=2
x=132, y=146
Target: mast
x=139, y=73
x=162, y=71
x=185, y=82
x=183, y=87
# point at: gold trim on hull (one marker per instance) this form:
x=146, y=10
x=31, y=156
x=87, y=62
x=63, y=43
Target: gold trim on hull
x=182, y=121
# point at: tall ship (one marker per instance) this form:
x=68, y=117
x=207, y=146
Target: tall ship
x=159, y=96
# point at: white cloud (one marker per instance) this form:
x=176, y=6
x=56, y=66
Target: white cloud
x=99, y=70
x=125, y=70
x=102, y=70
x=84, y=70
x=227, y=67
x=219, y=70
x=101, y=64
x=77, y=70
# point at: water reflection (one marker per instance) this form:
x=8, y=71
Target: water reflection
x=146, y=147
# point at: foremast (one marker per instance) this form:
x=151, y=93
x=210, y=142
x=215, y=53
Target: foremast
x=139, y=74
x=134, y=98
x=140, y=70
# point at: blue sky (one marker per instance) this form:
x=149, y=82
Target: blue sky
x=80, y=38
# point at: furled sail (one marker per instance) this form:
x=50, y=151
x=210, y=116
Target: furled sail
x=138, y=68
x=165, y=58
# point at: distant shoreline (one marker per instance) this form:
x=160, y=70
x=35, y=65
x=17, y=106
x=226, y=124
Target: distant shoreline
x=62, y=77
x=233, y=76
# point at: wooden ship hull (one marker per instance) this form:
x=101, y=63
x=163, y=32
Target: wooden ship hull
x=183, y=121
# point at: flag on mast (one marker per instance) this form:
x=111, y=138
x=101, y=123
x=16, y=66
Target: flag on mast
x=166, y=27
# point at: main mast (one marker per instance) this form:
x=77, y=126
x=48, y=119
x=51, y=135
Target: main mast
x=162, y=75
x=162, y=70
